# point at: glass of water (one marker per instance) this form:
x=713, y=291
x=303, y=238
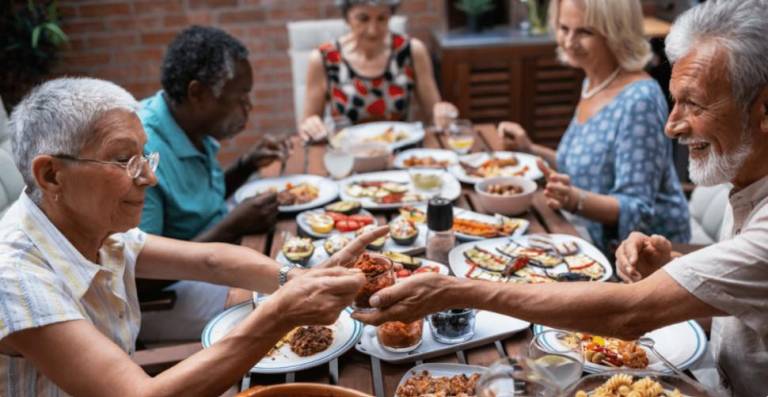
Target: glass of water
x=561, y=364
x=338, y=162
x=515, y=377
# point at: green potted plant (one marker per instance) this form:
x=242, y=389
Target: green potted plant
x=474, y=10
x=30, y=39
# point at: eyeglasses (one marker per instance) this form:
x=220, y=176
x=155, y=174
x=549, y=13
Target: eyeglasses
x=134, y=167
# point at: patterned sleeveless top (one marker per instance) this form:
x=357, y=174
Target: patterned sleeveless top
x=364, y=98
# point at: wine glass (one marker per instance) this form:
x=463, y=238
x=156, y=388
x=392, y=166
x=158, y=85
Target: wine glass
x=556, y=361
x=461, y=136
x=515, y=377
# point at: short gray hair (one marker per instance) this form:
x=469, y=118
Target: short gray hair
x=57, y=118
x=741, y=26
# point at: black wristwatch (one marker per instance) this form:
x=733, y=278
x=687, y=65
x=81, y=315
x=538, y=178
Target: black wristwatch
x=283, y=274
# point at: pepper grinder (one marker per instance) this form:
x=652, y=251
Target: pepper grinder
x=440, y=238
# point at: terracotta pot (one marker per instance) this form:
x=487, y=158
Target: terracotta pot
x=301, y=390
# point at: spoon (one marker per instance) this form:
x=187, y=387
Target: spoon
x=650, y=344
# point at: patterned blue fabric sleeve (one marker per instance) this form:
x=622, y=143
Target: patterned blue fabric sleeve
x=642, y=155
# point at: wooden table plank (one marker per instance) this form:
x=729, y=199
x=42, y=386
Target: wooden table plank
x=315, y=165
x=355, y=371
x=483, y=355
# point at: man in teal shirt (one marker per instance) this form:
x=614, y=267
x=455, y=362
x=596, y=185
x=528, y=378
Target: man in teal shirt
x=206, y=82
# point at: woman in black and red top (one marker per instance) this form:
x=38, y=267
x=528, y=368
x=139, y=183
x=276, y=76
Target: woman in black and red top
x=370, y=73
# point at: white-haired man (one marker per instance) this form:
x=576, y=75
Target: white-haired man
x=720, y=86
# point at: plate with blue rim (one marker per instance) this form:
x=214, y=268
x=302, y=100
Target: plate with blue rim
x=346, y=333
x=682, y=344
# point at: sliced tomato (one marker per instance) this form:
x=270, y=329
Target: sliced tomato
x=362, y=219
x=347, y=225
x=427, y=269
x=403, y=273
x=336, y=216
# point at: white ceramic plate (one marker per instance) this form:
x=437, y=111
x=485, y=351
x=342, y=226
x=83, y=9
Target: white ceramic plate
x=460, y=267
x=301, y=221
x=525, y=160
x=437, y=154
x=441, y=370
x=328, y=190
x=366, y=131
x=682, y=344
x=451, y=188
x=346, y=333
x=489, y=327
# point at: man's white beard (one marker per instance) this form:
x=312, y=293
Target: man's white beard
x=715, y=169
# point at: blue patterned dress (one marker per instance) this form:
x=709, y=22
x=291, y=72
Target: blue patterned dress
x=622, y=151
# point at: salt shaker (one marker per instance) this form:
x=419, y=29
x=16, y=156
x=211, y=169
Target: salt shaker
x=440, y=238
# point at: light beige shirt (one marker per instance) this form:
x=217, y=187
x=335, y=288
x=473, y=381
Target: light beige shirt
x=732, y=276
x=44, y=280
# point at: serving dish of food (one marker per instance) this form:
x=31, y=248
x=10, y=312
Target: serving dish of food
x=394, y=133
x=472, y=226
x=302, y=348
x=425, y=158
x=475, y=167
x=530, y=259
x=489, y=327
x=636, y=383
x=682, y=344
x=294, y=192
x=333, y=219
x=407, y=265
x=394, y=189
x=440, y=379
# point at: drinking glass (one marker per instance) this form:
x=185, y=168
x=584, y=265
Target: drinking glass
x=338, y=162
x=514, y=377
x=559, y=363
x=453, y=325
x=461, y=136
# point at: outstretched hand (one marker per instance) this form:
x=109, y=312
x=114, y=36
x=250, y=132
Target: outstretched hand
x=349, y=254
x=639, y=256
x=409, y=300
x=559, y=192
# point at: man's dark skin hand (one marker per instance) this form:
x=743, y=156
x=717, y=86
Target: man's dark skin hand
x=254, y=215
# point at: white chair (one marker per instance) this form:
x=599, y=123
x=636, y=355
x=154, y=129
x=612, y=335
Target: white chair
x=305, y=36
x=707, y=207
x=11, y=183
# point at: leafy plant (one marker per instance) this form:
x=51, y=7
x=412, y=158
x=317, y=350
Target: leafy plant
x=30, y=37
x=537, y=15
x=475, y=7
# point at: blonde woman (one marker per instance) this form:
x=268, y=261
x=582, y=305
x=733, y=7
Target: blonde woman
x=613, y=165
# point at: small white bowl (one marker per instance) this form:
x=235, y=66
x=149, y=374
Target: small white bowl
x=506, y=205
x=369, y=156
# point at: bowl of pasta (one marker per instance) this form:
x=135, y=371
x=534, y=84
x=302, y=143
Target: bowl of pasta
x=636, y=383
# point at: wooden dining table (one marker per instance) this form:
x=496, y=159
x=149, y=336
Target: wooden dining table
x=368, y=374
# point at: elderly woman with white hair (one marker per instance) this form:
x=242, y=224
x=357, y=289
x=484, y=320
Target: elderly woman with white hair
x=70, y=252
x=614, y=165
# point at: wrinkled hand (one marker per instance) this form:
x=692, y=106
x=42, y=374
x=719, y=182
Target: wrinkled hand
x=254, y=215
x=318, y=295
x=559, y=192
x=409, y=300
x=349, y=254
x=639, y=256
x=514, y=137
x=313, y=129
x=443, y=113
x=269, y=149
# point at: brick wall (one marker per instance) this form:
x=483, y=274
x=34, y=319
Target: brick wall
x=124, y=41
